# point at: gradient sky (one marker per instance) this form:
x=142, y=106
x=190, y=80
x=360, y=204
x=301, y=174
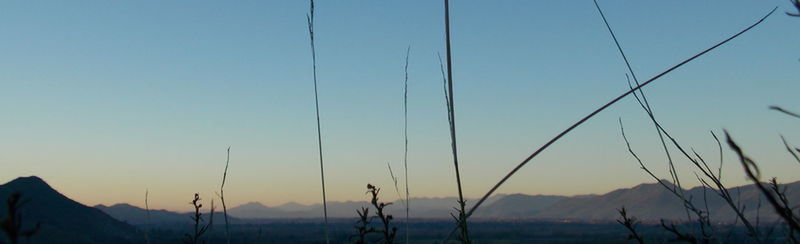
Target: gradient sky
x=105, y=99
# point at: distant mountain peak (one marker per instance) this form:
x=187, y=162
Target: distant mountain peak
x=254, y=204
x=292, y=204
x=117, y=205
x=28, y=180
x=31, y=185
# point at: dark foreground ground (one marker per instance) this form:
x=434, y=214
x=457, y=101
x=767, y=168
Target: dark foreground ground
x=342, y=230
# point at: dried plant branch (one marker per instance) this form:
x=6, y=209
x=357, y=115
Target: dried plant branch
x=774, y=195
x=719, y=188
x=796, y=4
x=608, y=104
x=679, y=237
x=197, y=218
x=603, y=107
x=780, y=193
x=363, y=227
x=12, y=222
x=389, y=232
x=700, y=163
x=630, y=223
x=792, y=151
x=702, y=216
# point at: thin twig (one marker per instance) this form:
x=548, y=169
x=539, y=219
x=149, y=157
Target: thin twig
x=687, y=203
x=719, y=145
x=630, y=223
x=791, y=150
x=678, y=235
x=222, y=196
x=394, y=180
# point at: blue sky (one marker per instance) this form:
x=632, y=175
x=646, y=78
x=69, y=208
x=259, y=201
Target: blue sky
x=107, y=99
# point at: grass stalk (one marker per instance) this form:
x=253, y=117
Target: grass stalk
x=405, y=141
x=462, y=216
x=310, y=18
x=147, y=211
x=787, y=112
x=394, y=180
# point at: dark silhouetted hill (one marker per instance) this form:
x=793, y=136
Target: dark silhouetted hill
x=158, y=218
x=62, y=219
x=138, y=216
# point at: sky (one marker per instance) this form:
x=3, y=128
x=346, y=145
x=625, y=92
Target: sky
x=108, y=99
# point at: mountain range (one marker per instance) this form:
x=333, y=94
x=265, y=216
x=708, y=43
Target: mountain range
x=61, y=218
x=648, y=202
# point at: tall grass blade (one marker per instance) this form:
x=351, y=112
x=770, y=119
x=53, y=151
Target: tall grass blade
x=405, y=140
x=147, y=210
x=394, y=181
x=462, y=217
x=790, y=113
x=310, y=18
